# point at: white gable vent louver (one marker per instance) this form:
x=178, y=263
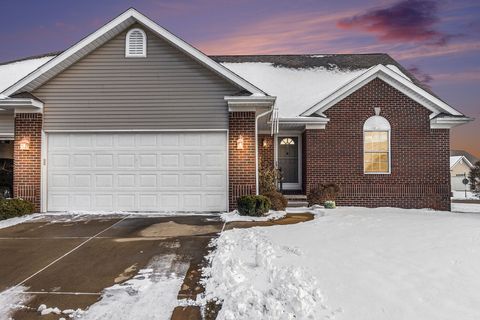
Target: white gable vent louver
x=136, y=43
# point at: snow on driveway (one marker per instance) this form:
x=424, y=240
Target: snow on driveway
x=151, y=294
x=351, y=263
x=10, y=300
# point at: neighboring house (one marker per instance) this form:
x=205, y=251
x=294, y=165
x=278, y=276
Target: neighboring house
x=134, y=118
x=460, y=167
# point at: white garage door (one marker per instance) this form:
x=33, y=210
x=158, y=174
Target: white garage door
x=137, y=171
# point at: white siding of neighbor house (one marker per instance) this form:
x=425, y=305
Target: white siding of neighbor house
x=108, y=91
x=457, y=173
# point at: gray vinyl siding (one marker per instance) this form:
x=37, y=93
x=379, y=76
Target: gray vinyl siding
x=107, y=91
x=7, y=125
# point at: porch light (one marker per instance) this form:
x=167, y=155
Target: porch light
x=24, y=144
x=265, y=143
x=240, y=142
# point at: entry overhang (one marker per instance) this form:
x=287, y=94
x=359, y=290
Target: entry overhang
x=21, y=105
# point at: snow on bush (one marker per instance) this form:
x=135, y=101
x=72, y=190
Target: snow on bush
x=235, y=216
x=247, y=276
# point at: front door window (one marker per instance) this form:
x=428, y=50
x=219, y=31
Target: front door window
x=288, y=159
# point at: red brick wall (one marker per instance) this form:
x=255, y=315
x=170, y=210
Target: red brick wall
x=265, y=153
x=241, y=167
x=420, y=175
x=27, y=163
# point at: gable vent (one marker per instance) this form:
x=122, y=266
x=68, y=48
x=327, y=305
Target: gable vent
x=136, y=43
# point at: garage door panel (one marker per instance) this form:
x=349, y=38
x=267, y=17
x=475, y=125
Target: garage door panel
x=137, y=171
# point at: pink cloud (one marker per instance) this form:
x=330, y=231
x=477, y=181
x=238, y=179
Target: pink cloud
x=291, y=33
x=407, y=20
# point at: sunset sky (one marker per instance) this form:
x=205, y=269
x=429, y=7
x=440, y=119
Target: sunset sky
x=438, y=40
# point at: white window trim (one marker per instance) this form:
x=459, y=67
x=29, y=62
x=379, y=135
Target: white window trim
x=389, y=151
x=127, y=44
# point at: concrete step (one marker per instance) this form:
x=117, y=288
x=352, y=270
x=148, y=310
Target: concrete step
x=296, y=197
x=296, y=204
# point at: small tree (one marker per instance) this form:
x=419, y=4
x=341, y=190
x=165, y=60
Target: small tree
x=268, y=178
x=474, y=177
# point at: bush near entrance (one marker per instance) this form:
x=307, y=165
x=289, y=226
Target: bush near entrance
x=255, y=206
x=10, y=208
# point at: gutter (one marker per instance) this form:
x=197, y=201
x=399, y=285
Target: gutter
x=256, y=146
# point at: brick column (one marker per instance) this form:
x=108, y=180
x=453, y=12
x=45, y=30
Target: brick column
x=241, y=170
x=27, y=163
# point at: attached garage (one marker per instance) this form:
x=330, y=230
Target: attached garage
x=168, y=171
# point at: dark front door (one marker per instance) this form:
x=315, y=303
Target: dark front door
x=288, y=160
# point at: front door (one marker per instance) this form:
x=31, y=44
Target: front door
x=288, y=161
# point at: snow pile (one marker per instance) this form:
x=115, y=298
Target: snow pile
x=235, y=216
x=460, y=195
x=17, y=220
x=151, y=294
x=44, y=310
x=296, y=89
x=370, y=264
x=255, y=279
x=12, y=299
x=12, y=72
x=466, y=207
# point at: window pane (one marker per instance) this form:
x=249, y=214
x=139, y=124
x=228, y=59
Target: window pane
x=384, y=157
x=369, y=167
x=383, y=167
x=376, y=157
x=368, y=141
x=376, y=162
x=368, y=157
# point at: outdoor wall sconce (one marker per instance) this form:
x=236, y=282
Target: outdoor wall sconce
x=240, y=142
x=24, y=144
x=265, y=143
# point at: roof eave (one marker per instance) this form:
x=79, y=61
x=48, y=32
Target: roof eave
x=21, y=105
x=448, y=122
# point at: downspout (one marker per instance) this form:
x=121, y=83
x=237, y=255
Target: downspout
x=256, y=147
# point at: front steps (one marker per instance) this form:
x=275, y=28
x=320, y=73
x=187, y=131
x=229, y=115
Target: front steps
x=296, y=200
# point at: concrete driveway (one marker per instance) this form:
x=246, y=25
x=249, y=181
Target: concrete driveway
x=67, y=261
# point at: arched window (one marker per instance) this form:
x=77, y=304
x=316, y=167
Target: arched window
x=376, y=145
x=136, y=43
x=287, y=141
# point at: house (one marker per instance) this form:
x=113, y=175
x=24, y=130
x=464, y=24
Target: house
x=134, y=118
x=460, y=167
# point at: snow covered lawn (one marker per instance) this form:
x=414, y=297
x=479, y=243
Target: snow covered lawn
x=351, y=263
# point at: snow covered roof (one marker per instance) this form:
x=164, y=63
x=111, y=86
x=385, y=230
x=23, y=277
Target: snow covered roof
x=11, y=72
x=301, y=81
x=295, y=89
x=464, y=153
x=454, y=160
x=298, y=82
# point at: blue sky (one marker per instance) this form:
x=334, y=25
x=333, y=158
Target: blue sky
x=438, y=40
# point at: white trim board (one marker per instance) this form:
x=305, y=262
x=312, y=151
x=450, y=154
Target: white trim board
x=108, y=31
x=392, y=78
